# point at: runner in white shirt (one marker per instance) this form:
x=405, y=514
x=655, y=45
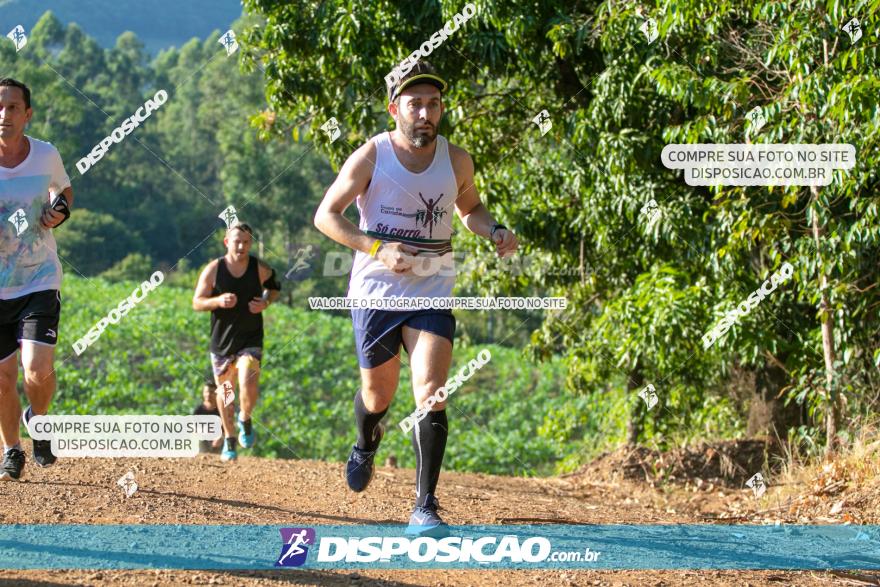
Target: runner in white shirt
x=408, y=185
x=35, y=197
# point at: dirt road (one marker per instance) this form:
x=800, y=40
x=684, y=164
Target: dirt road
x=299, y=493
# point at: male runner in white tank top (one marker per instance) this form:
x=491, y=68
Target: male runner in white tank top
x=407, y=184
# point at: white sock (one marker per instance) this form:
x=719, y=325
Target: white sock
x=6, y=449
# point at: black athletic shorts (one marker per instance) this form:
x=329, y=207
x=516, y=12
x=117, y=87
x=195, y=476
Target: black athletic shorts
x=32, y=317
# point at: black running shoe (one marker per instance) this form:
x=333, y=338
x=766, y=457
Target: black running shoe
x=359, y=469
x=13, y=465
x=43, y=453
x=424, y=520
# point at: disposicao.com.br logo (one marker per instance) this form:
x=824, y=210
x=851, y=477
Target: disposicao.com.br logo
x=341, y=549
x=425, y=549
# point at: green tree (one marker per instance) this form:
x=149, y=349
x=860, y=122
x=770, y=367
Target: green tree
x=92, y=242
x=134, y=267
x=169, y=179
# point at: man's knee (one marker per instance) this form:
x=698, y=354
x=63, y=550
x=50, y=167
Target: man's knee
x=224, y=383
x=431, y=396
x=37, y=373
x=229, y=374
x=8, y=381
x=249, y=378
x=379, y=385
x=376, y=398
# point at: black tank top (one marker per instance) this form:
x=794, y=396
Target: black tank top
x=236, y=328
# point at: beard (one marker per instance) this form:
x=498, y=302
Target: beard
x=419, y=138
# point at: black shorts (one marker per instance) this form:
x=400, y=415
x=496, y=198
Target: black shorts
x=379, y=333
x=32, y=317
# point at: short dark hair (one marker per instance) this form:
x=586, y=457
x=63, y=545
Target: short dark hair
x=8, y=82
x=242, y=226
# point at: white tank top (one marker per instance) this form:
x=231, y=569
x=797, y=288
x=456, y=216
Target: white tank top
x=411, y=208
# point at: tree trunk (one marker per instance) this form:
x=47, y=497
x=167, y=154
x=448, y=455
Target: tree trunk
x=287, y=266
x=583, y=273
x=832, y=415
x=636, y=421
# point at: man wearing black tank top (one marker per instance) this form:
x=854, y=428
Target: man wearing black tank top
x=236, y=288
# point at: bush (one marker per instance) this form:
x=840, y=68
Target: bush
x=92, y=242
x=134, y=267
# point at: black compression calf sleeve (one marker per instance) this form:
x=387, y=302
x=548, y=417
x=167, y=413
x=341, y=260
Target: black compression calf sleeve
x=429, y=442
x=367, y=423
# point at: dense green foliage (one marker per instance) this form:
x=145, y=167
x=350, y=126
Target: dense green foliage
x=645, y=289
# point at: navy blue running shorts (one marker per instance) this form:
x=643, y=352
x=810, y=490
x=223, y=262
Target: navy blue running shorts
x=379, y=333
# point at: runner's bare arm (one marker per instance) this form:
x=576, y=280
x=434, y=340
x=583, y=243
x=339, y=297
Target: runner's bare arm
x=353, y=179
x=471, y=210
x=202, y=300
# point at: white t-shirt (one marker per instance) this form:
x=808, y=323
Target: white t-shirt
x=28, y=256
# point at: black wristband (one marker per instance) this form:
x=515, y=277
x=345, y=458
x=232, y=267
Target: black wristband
x=494, y=228
x=60, y=204
x=272, y=282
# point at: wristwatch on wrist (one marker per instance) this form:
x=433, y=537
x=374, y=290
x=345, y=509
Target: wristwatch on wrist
x=494, y=228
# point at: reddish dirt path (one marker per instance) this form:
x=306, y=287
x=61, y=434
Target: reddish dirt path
x=205, y=491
